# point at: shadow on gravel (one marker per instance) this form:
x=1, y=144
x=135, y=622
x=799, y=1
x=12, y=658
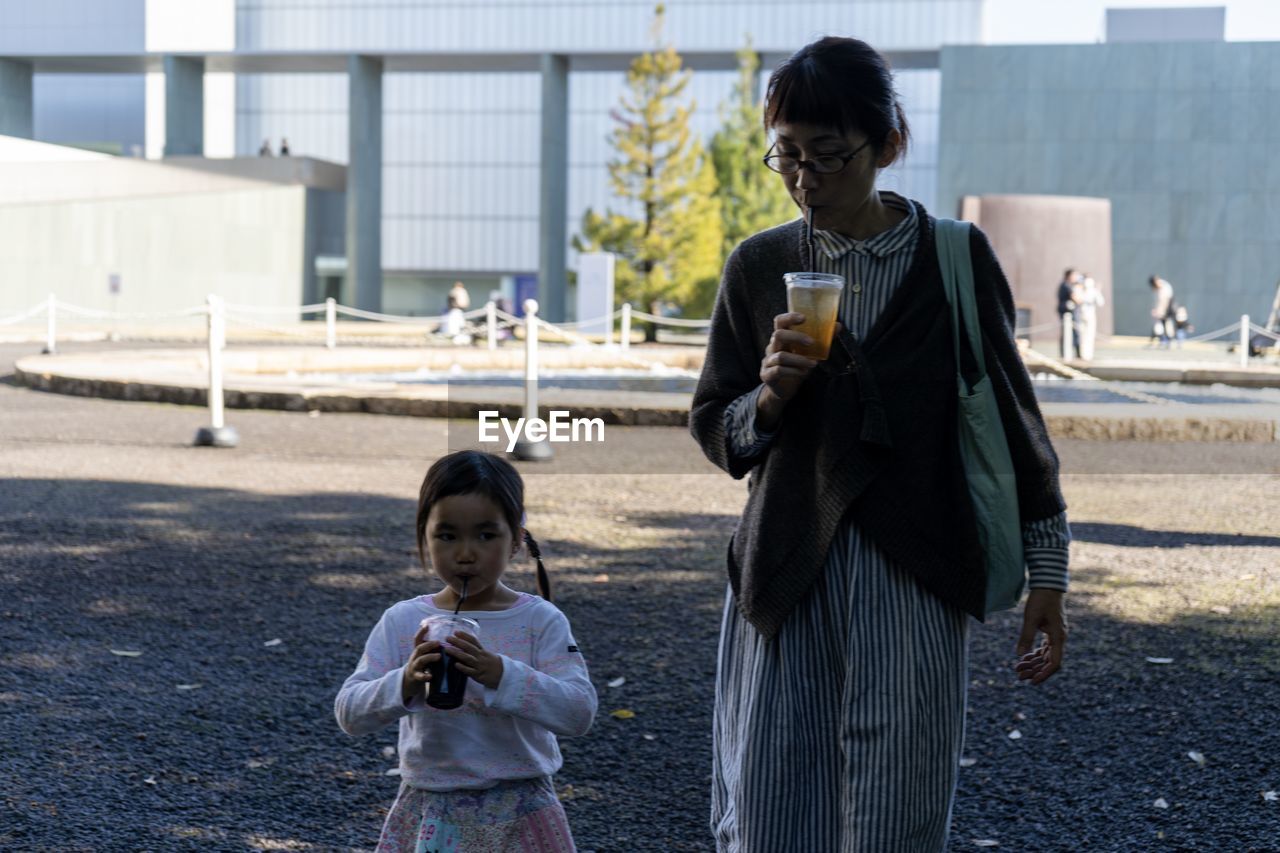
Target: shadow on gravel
x=1141, y=537
x=242, y=614
x=1104, y=740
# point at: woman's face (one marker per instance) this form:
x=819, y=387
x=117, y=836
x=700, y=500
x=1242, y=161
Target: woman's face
x=836, y=199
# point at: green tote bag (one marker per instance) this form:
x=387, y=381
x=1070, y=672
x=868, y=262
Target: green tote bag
x=988, y=467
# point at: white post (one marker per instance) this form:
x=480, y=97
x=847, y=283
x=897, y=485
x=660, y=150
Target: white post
x=491, y=323
x=626, y=325
x=217, y=434
x=51, y=326
x=1067, y=340
x=526, y=449
x=330, y=323
x=1244, y=340
x=608, y=330
x=215, y=362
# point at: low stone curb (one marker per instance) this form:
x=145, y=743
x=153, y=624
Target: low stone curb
x=657, y=410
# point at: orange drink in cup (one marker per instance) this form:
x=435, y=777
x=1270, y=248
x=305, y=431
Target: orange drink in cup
x=816, y=295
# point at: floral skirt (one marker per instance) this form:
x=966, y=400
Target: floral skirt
x=514, y=816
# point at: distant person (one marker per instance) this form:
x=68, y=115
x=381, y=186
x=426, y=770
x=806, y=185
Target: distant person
x=1088, y=298
x=476, y=776
x=1181, y=325
x=1162, y=310
x=458, y=297
x=503, y=304
x=284, y=147
x=1067, y=311
x=265, y=149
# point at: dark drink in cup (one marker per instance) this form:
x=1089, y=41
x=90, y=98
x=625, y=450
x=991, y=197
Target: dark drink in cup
x=448, y=686
x=816, y=295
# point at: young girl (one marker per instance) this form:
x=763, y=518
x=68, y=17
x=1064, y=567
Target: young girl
x=477, y=777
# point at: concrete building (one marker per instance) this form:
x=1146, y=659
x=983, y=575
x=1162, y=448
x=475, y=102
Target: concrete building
x=128, y=235
x=1181, y=137
x=480, y=128
x=464, y=187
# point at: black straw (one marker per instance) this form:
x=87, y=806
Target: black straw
x=808, y=221
x=462, y=597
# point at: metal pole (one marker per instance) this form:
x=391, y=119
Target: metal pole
x=626, y=325
x=330, y=323
x=526, y=449
x=51, y=326
x=491, y=323
x=217, y=434
x=1244, y=340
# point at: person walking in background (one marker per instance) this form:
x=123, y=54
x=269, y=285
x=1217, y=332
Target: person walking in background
x=1088, y=298
x=264, y=150
x=1067, y=312
x=284, y=147
x=842, y=667
x=1162, y=309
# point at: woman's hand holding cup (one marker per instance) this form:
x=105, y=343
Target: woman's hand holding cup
x=783, y=371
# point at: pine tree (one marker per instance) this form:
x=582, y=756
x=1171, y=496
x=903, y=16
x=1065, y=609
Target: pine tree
x=752, y=198
x=671, y=250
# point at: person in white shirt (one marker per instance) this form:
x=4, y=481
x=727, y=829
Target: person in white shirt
x=477, y=777
x=1088, y=299
x=1162, y=308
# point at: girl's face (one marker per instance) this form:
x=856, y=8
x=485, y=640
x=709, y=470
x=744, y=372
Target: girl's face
x=837, y=199
x=468, y=536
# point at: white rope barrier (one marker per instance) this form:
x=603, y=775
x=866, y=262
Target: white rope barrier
x=130, y=315
x=389, y=318
x=1264, y=332
x=317, y=308
x=1208, y=336
x=670, y=321
x=25, y=315
x=313, y=333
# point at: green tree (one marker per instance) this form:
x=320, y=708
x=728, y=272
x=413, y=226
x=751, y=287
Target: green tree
x=671, y=250
x=752, y=198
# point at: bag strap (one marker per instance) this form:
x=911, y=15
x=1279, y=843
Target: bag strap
x=952, y=239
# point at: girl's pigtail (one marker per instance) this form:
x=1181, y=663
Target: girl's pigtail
x=544, y=584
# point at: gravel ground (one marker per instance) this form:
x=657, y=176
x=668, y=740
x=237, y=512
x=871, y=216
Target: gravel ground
x=114, y=534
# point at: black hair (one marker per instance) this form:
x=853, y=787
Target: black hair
x=841, y=83
x=471, y=472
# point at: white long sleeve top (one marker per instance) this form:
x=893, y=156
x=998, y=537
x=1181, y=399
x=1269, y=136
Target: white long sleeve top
x=504, y=733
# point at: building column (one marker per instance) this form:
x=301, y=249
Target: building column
x=183, y=106
x=17, y=111
x=364, y=181
x=554, y=188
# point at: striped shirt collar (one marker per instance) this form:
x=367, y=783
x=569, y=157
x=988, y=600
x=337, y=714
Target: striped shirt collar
x=897, y=238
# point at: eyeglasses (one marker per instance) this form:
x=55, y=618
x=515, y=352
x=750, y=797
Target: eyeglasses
x=827, y=164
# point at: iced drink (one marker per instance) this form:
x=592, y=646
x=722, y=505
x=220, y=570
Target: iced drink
x=816, y=295
x=448, y=686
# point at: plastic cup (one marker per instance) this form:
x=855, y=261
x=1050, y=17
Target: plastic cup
x=816, y=295
x=448, y=686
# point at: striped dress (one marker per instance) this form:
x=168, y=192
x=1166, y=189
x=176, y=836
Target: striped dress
x=844, y=733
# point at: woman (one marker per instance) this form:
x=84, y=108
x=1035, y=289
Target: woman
x=841, y=676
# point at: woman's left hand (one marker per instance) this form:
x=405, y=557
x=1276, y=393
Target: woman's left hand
x=484, y=667
x=1045, y=614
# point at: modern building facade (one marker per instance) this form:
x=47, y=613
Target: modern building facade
x=1181, y=137
x=463, y=186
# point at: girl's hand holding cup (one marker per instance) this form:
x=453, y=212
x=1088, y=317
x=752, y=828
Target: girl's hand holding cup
x=485, y=667
x=417, y=672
